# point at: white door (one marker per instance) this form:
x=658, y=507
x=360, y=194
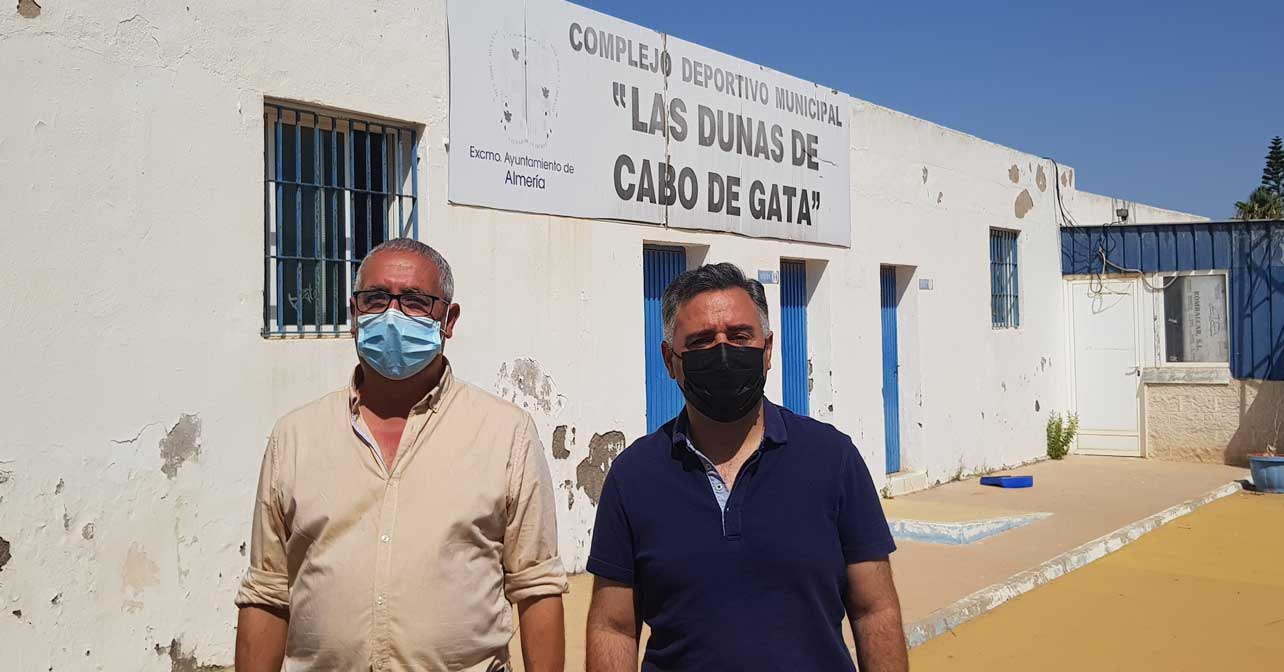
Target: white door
x=1107, y=373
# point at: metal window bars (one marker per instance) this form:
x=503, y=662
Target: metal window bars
x=334, y=187
x=1005, y=295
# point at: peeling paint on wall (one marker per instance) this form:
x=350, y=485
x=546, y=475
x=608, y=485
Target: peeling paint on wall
x=138, y=573
x=569, y=487
x=1014, y=174
x=525, y=383
x=939, y=195
x=87, y=531
x=1041, y=179
x=183, y=662
x=58, y=488
x=590, y=474
x=560, y=451
x=1024, y=204
x=28, y=9
x=5, y=476
x=182, y=443
x=924, y=174
x=5, y=555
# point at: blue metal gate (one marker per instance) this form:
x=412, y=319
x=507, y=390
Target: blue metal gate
x=891, y=371
x=793, y=335
x=660, y=265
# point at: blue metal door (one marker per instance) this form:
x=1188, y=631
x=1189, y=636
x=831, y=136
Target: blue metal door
x=793, y=335
x=660, y=265
x=891, y=371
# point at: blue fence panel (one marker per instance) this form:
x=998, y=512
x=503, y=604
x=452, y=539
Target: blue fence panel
x=1252, y=252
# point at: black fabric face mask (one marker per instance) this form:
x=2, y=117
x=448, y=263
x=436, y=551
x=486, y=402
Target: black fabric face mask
x=724, y=382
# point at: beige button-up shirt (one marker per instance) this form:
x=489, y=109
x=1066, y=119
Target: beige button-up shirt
x=412, y=566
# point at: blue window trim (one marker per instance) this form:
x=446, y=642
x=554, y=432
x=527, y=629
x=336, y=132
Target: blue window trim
x=335, y=192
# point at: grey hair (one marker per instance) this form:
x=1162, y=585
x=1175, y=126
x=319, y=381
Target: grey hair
x=444, y=277
x=710, y=278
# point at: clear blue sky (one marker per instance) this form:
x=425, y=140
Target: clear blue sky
x=1166, y=103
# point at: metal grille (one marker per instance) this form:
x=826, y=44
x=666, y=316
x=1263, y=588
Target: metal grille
x=335, y=186
x=793, y=328
x=1005, y=295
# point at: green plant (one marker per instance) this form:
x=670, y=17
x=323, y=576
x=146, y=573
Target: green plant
x=1273, y=174
x=1261, y=204
x=1061, y=433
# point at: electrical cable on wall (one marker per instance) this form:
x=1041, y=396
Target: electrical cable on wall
x=1128, y=271
x=1066, y=219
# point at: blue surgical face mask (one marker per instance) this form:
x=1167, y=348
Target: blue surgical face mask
x=396, y=345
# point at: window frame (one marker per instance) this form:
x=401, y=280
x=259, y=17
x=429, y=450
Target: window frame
x=1012, y=321
x=1161, y=280
x=399, y=187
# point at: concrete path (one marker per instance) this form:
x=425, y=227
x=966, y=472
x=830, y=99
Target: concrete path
x=1205, y=592
x=1088, y=497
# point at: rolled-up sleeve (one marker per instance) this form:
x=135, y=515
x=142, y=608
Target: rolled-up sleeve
x=532, y=567
x=266, y=582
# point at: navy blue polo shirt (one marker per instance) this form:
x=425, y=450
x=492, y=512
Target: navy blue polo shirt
x=761, y=585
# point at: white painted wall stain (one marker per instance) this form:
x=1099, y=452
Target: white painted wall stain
x=131, y=169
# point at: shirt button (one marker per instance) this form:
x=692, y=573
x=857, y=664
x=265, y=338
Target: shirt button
x=385, y=538
x=379, y=601
x=717, y=486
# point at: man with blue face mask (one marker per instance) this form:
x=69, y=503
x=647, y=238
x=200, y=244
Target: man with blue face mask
x=398, y=518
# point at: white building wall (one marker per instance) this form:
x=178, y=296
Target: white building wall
x=925, y=196
x=1095, y=210
x=140, y=392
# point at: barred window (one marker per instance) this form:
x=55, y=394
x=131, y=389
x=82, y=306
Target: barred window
x=335, y=186
x=1005, y=295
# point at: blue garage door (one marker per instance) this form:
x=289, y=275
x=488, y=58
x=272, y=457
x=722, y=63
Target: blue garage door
x=660, y=265
x=793, y=336
x=891, y=371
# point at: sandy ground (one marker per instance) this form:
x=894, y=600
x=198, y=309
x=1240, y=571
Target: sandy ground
x=1205, y=592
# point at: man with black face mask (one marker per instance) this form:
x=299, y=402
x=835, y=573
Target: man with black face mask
x=739, y=532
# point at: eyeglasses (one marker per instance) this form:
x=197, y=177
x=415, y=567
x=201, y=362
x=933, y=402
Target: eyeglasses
x=414, y=304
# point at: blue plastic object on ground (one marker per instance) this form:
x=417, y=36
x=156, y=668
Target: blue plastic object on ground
x=1268, y=472
x=1008, y=481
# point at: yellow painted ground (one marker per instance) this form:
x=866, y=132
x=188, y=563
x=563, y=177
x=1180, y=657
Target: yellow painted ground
x=1204, y=592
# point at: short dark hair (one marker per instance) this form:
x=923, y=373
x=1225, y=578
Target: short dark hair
x=710, y=278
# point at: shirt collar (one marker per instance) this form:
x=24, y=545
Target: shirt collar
x=774, y=434
x=433, y=400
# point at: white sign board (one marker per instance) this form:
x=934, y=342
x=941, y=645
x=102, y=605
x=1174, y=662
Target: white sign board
x=561, y=110
x=1204, y=333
